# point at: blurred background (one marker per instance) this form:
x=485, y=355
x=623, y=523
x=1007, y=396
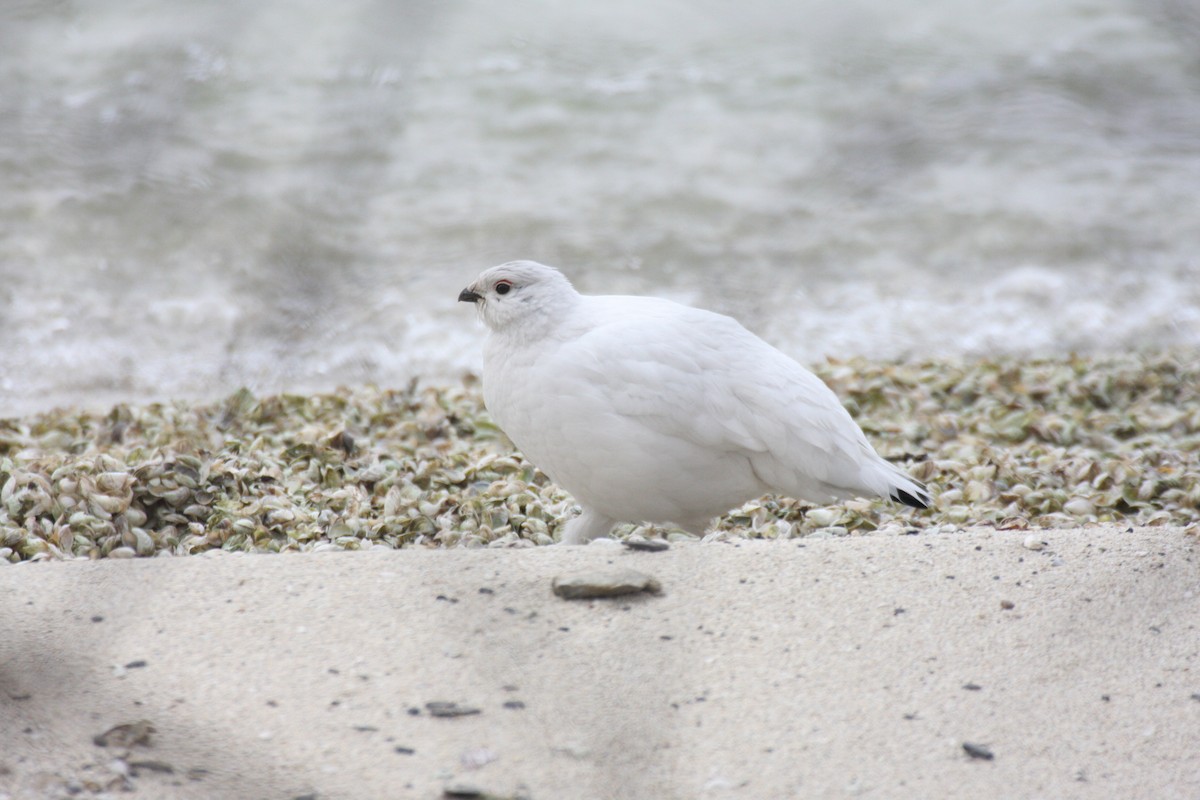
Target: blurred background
x=289, y=195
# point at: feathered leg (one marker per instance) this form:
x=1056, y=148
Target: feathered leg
x=585, y=527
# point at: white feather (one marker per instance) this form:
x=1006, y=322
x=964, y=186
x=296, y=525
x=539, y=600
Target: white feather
x=647, y=410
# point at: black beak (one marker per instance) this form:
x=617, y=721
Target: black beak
x=467, y=296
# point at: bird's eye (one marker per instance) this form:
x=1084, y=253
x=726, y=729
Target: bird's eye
x=503, y=287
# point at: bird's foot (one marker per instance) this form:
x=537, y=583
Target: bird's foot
x=586, y=527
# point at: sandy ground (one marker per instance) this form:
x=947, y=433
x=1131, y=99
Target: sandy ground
x=851, y=667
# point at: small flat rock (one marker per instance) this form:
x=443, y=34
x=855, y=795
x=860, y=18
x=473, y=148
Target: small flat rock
x=153, y=766
x=127, y=734
x=461, y=790
x=604, y=583
x=979, y=751
x=445, y=708
x=648, y=545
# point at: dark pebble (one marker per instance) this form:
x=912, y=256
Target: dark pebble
x=153, y=766
x=342, y=441
x=443, y=708
x=978, y=751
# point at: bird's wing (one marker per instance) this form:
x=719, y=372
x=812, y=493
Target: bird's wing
x=704, y=378
x=812, y=437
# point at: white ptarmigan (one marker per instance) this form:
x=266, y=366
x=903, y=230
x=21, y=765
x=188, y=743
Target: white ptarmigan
x=646, y=410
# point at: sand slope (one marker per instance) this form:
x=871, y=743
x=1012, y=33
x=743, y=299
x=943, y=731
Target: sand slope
x=808, y=668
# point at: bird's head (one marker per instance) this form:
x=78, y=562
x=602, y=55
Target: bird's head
x=519, y=293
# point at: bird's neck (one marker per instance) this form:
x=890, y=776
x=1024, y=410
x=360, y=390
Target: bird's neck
x=543, y=322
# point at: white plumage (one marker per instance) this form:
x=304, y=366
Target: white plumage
x=646, y=410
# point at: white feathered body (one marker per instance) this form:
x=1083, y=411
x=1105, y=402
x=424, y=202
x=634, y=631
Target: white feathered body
x=647, y=410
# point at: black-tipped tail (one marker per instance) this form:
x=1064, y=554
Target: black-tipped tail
x=919, y=500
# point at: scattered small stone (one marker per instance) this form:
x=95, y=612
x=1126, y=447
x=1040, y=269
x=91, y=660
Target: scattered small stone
x=342, y=440
x=462, y=790
x=1033, y=542
x=97, y=618
x=127, y=734
x=1079, y=507
x=972, y=687
x=486, y=590
x=978, y=751
x=648, y=545
x=138, y=664
x=1007, y=605
x=404, y=751
x=153, y=766
x=445, y=708
x=514, y=705
x=366, y=728
x=604, y=583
